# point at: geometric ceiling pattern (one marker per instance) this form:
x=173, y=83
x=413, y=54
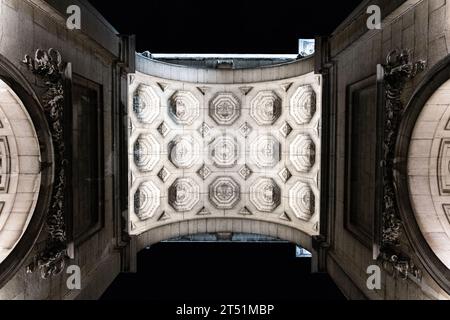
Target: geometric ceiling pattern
x=212, y=151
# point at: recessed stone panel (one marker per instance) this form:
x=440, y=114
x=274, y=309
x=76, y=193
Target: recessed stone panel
x=265, y=151
x=266, y=108
x=184, y=152
x=302, y=201
x=224, y=193
x=265, y=195
x=225, y=108
x=147, y=200
x=303, y=153
x=184, y=107
x=146, y=104
x=224, y=151
x=303, y=105
x=147, y=152
x=184, y=194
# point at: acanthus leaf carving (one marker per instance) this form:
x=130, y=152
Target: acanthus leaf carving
x=397, y=71
x=49, y=68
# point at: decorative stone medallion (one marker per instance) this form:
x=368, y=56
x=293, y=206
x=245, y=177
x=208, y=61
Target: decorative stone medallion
x=245, y=129
x=266, y=108
x=163, y=129
x=265, y=151
x=224, y=151
x=147, y=200
x=302, y=201
x=245, y=172
x=204, y=129
x=224, y=193
x=164, y=174
x=146, y=104
x=184, y=107
x=147, y=152
x=184, y=194
x=225, y=108
x=303, y=153
x=265, y=195
x=204, y=172
x=285, y=175
x=286, y=129
x=303, y=105
x=184, y=152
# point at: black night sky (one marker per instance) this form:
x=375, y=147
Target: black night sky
x=244, y=26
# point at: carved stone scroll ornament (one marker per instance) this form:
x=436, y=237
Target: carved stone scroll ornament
x=48, y=66
x=397, y=71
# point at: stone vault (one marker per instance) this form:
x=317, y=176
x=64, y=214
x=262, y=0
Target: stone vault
x=210, y=151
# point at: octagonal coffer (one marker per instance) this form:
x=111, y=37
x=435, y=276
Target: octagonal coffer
x=302, y=153
x=147, y=200
x=225, y=108
x=265, y=151
x=266, y=108
x=146, y=104
x=184, y=108
x=302, y=201
x=303, y=105
x=147, y=152
x=224, y=151
x=184, y=194
x=265, y=195
x=184, y=152
x=224, y=193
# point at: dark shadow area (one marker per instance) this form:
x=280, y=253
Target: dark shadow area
x=223, y=272
x=232, y=26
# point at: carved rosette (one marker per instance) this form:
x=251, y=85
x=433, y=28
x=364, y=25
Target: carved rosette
x=146, y=104
x=147, y=152
x=302, y=201
x=303, y=105
x=303, y=153
x=265, y=151
x=184, y=107
x=184, y=152
x=225, y=108
x=147, y=200
x=397, y=71
x=224, y=151
x=224, y=193
x=265, y=195
x=184, y=194
x=266, y=108
x=49, y=68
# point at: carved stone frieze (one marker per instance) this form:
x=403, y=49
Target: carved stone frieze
x=397, y=71
x=49, y=68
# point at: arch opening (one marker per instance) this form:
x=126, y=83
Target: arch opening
x=20, y=176
x=181, y=270
x=422, y=170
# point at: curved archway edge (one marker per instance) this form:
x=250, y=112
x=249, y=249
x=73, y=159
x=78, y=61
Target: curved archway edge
x=21, y=87
x=434, y=78
x=233, y=225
